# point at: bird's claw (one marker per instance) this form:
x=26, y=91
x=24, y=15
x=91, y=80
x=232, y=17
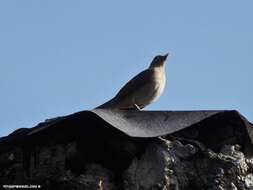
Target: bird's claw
x=137, y=107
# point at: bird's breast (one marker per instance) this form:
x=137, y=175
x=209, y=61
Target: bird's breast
x=151, y=91
x=160, y=81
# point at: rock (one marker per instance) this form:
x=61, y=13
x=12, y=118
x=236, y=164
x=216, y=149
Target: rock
x=82, y=151
x=151, y=171
x=175, y=166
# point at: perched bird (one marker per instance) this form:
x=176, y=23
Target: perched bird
x=141, y=90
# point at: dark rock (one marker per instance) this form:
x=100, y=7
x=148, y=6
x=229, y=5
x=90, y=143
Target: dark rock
x=106, y=149
x=165, y=167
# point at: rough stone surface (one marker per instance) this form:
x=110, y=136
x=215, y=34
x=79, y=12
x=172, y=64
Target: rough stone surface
x=165, y=164
x=173, y=165
x=204, y=156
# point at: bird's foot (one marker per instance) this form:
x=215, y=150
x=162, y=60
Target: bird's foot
x=137, y=107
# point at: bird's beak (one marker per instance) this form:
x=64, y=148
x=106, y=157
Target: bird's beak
x=165, y=56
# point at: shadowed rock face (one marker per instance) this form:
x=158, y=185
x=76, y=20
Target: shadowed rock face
x=105, y=149
x=173, y=165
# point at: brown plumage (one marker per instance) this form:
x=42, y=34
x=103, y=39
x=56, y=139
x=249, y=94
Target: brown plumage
x=141, y=90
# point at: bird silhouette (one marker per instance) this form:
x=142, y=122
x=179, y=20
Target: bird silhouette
x=143, y=89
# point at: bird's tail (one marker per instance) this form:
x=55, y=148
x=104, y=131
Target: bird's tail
x=108, y=104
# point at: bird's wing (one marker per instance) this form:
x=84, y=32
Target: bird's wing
x=140, y=80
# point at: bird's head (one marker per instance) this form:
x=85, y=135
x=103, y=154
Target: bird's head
x=158, y=61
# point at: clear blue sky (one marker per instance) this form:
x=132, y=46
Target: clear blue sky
x=59, y=57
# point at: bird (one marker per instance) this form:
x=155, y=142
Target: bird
x=143, y=89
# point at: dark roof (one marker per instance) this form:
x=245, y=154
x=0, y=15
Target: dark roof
x=137, y=123
x=132, y=123
x=151, y=123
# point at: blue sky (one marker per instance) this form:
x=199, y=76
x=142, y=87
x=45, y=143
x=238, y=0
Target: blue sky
x=59, y=57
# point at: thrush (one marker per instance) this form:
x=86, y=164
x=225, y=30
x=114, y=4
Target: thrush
x=143, y=89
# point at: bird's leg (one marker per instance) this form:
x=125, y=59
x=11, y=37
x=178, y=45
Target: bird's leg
x=137, y=107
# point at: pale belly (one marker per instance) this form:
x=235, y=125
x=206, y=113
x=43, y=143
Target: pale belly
x=149, y=93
